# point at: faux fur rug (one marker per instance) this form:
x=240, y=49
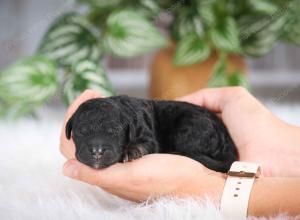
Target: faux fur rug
x=32, y=185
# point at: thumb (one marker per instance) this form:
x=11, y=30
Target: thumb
x=76, y=170
x=214, y=99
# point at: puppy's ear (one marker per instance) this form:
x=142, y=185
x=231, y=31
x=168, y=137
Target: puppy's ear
x=69, y=127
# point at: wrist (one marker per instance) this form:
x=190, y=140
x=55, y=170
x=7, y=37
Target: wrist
x=217, y=194
x=274, y=195
x=257, y=204
x=288, y=163
x=213, y=187
x=237, y=189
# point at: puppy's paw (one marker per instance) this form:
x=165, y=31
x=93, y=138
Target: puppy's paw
x=133, y=152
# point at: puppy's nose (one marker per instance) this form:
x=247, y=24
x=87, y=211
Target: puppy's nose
x=96, y=152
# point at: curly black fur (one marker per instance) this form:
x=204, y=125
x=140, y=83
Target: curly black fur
x=122, y=128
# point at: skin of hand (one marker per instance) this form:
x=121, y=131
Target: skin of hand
x=271, y=196
x=153, y=175
x=259, y=135
x=150, y=176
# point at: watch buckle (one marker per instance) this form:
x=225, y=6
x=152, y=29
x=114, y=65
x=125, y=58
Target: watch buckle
x=242, y=174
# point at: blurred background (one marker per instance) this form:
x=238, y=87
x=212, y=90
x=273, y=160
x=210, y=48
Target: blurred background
x=274, y=77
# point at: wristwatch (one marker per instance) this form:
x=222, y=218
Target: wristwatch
x=237, y=189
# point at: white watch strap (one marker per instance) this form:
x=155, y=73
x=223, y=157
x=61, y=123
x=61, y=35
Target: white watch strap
x=238, y=186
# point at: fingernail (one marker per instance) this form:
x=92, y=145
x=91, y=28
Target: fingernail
x=71, y=170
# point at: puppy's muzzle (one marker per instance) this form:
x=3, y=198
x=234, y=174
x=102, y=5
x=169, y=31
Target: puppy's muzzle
x=96, y=153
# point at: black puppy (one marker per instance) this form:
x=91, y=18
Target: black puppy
x=121, y=128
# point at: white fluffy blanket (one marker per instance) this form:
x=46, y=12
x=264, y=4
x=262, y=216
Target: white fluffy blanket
x=32, y=185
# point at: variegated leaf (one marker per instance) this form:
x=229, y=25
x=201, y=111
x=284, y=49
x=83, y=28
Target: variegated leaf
x=150, y=8
x=186, y=24
x=225, y=36
x=291, y=29
x=218, y=77
x=71, y=38
x=292, y=34
x=259, y=34
x=102, y=3
x=238, y=78
x=206, y=12
x=263, y=6
x=28, y=84
x=86, y=75
x=191, y=49
x=130, y=34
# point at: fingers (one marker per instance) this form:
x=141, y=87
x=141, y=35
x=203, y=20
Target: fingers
x=214, y=99
x=79, y=171
x=86, y=95
x=113, y=176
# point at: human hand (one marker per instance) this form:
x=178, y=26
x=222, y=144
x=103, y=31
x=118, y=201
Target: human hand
x=152, y=176
x=259, y=135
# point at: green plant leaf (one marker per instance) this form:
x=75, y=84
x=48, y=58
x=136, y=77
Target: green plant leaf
x=86, y=75
x=27, y=84
x=238, y=78
x=69, y=39
x=263, y=6
x=219, y=74
x=291, y=29
x=221, y=78
x=3, y=109
x=130, y=34
x=206, y=12
x=150, y=8
x=260, y=34
x=292, y=32
x=191, y=49
x=185, y=24
x=102, y=3
x=225, y=36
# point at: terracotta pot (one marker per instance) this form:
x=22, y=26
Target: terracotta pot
x=169, y=81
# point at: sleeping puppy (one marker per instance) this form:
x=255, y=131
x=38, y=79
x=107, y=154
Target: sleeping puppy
x=121, y=128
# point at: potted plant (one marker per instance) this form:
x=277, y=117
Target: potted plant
x=210, y=33
x=212, y=37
